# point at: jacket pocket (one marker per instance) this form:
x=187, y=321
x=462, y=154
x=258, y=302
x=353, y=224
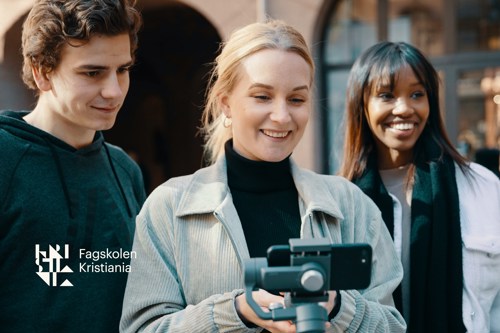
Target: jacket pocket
x=485, y=244
x=481, y=261
x=481, y=268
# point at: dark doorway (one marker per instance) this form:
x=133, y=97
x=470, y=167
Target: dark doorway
x=158, y=124
x=14, y=95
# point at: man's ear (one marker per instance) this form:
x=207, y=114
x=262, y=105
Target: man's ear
x=224, y=103
x=41, y=79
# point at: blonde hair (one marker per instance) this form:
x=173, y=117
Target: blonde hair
x=273, y=34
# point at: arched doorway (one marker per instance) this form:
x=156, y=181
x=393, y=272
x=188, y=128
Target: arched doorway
x=161, y=115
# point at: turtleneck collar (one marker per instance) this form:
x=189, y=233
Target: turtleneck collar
x=256, y=176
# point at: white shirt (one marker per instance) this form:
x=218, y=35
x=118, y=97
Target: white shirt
x=395, y=182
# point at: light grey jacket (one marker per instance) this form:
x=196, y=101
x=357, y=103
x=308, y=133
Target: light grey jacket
x=190, y=251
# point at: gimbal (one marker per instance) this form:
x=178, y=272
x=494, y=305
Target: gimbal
x=303, y=269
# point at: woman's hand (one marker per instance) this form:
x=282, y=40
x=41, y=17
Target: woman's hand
x=330, y=304
x=264, y=300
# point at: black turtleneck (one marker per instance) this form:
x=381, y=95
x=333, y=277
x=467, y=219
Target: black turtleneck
x=266, y=200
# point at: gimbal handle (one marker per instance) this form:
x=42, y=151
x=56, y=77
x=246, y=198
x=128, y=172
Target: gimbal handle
x=253, y=267
x=309, y=317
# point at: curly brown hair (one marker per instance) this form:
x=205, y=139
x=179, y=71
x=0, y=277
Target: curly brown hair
x=51, y=24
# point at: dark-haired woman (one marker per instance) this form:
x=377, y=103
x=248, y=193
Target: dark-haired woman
x=443, y=211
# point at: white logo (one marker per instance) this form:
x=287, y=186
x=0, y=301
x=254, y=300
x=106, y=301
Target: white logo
x=51, y=259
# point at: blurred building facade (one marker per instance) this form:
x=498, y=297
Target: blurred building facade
x=159, y=121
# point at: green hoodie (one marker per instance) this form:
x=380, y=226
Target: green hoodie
x=81, y=203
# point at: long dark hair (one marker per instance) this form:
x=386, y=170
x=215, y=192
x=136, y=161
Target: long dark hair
x=380, y=62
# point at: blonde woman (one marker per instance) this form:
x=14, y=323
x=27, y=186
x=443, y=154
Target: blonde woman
x=194, y=232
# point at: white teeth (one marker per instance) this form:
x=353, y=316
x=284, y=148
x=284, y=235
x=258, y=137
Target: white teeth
x=275, y=134
x=402, y=126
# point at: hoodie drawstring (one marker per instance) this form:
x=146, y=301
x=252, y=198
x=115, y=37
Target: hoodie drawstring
x=72, y=227
x=61, y=177
x=129, y=210
x=65, y=188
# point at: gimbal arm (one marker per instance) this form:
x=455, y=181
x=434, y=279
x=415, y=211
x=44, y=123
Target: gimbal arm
x=252, y=271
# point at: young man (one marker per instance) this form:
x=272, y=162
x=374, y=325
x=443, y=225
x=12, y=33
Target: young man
x=68, y=200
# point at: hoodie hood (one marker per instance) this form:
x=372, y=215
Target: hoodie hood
x=13, y=122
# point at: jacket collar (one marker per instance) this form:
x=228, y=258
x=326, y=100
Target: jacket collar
x=207, y=190
x=316, y=192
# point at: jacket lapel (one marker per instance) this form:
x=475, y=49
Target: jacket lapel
x=208, y=193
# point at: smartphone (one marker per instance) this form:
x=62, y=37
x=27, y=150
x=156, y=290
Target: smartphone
x=350, y=264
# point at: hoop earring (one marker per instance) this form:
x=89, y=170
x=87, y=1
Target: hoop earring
x=227, y=122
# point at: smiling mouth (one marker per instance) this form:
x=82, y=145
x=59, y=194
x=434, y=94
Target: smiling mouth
x=275, y=134
x=402, y=126
x=111, y=109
